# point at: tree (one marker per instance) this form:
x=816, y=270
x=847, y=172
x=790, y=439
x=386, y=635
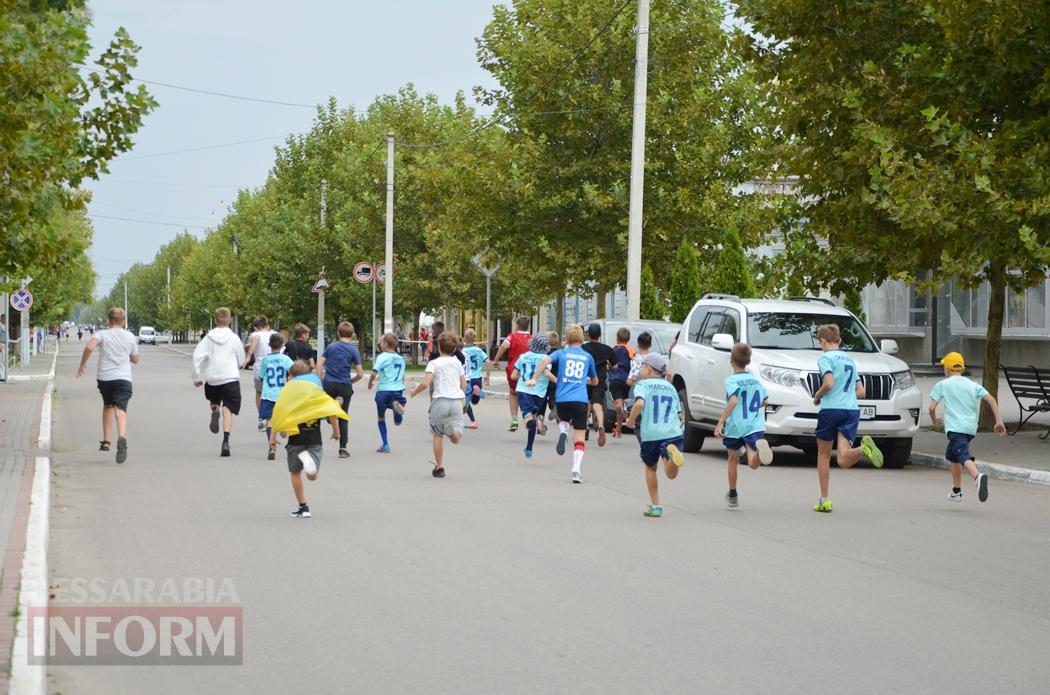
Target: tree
x=57, y=127
x=685, y=281
x=58, y=289
x=650, y=307
x=731, y=272
x=916, y=122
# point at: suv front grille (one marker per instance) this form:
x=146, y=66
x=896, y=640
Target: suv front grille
x=877, y=387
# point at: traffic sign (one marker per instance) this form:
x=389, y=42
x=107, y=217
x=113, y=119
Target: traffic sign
x=21, y=299
x=381, y=273
x=363, y=272
x=320, y=286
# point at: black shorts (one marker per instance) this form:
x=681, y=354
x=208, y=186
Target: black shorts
x=597, y=393
x=228, y=395
x=619, y=390
x=340, y=392
x=574, y=413
x=116, y=393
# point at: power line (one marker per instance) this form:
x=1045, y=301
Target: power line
x=201, y=149
x=225, y=95
x=144, y=212
x=168, y=183
x=129, y=219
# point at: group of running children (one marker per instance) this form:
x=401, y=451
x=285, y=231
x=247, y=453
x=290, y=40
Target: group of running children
x=294, y=393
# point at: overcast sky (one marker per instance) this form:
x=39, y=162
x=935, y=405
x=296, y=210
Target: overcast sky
x=353, y=50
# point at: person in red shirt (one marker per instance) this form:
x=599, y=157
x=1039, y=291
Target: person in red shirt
x=514, y=346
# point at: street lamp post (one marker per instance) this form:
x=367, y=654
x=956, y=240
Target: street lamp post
x=236, y=252
x=488, y=273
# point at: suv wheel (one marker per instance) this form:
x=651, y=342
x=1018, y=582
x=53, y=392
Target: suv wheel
x=896, y=452
x=693, y=438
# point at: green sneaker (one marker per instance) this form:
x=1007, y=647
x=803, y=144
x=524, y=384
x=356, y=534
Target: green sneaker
x=823, y=506
x=675, y=455
x=867, y=445
x=513, y=426
x=653, y=511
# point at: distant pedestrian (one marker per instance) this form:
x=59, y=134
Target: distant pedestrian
x=388, y=377
x=476, y=358
x=743, y=422
x=962, y=399
x=80, y=334
x=513, y=346
x=449, y=383
x=603, y=359
x=657, y=412
x=300, y=348
x=258, y=348
x=117, y=351
x=339, y=368
x=623, y=353
x=216, y=366
x=532, y=387
x=274, y=369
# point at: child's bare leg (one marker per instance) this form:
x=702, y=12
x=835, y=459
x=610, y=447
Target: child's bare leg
x=848, y=454
x=752, y=459
x=653, y=484
x=455, y=436
x=734, y=462
x=670, y=470
x=227, y=420
x=439, y=450
x=824, y=465
x=957, y=474
x=107, y=420
x=297, y=487
x=618, y=404
x=971, y=468
x=122, y=422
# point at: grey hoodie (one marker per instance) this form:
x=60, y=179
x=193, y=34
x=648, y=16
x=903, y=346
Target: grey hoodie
x=218, y=357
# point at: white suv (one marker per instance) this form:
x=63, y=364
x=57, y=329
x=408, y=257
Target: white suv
x=782, y=336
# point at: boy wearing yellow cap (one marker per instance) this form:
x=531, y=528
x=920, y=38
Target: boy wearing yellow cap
x=962, y=398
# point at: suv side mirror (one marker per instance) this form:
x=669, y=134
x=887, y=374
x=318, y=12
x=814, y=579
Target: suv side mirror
x=722, y=341
x=889, y=347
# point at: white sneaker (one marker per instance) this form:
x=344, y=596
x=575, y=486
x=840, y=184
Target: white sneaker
x=577, y=477
x=309, y=464
x=765, y=453
x=955, y=496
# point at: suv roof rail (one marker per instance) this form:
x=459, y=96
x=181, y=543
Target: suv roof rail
x=724, y=297
x=823, y=300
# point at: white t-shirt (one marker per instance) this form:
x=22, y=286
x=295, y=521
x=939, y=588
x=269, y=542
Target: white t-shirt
x=447, y=371
x=115, y=348
x=262, y=348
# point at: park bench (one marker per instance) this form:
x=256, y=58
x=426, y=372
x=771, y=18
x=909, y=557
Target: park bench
x=1030, y=384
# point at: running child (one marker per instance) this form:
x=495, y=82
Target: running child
x=300, y=407
x=274, y=370
x=575, y=372
x=742, y=426
x=340, y=368
x=962, y=400
x=839, y=413
x=447, y=377
x=475, y=363
x=657, y=409
x=554, y=342
x=299, y=348
x=532, y=393
x=389, y=370
x=623, y=354
x=602, y=355
x=645, y=344
x=513, y=346
x=216, y=366
x=258, y=348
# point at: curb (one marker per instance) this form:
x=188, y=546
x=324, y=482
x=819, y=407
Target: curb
x=995, y=470
x=50, y=376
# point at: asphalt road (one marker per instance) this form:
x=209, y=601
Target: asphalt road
x=505, y=578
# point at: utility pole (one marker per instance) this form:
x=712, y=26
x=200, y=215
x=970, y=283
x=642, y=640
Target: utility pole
x=169, y=291
x=388, y=283
x=320, y=287
x=324, y=201
x=634, y=224
x=125, y=304
x=236, y=252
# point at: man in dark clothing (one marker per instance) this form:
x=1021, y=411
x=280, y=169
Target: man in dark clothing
x=603, y=359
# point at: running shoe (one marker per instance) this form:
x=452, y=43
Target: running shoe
x=874, y=454
x=472, y=425
x=982, y=484
x=122, y=452
x=261, y=426
x=528, y=453
x=577, y=477
x=344, y=454
x=955, y=496
x=732, y=500
x=601, y=436
x=439, y=472
x=384, y=449
x=562, y=439
x=653, y=511
x=309, y=464
x=272, y=454
x=513, y=426
x=616, y=433
x=103, y=445
x=214, y=426
x=542, y=429
x=823, y=506
x=552, y=415
x=765, y=453
x=225, y=450
x=399, y=408
x=675, y=454
x=301, y=512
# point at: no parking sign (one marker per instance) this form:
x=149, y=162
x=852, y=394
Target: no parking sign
x=21, y=299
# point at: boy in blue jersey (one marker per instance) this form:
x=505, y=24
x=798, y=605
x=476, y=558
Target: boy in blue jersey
x=475, y=363
x=658, y=411
x=340, y=368
x=532, y=393
x=839, y=414
x=575, y=370
x=389, y=370
x=962, y=399
x=273, y=372
x=743, y=422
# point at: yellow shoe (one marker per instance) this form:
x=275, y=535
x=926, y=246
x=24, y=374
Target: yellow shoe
x=823, y=506
x=675, y=455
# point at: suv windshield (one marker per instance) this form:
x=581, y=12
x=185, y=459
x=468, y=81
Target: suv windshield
x=783, y=331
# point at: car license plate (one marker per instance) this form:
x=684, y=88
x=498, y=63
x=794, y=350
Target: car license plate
x=867, y=412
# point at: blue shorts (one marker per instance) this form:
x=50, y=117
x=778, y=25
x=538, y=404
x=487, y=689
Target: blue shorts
x=748, y=440
x=959, y=448
x=653, y=451
x=265, y=409
x=471, y=383
x=530, y=404
x=385, y=401
x=835, y=421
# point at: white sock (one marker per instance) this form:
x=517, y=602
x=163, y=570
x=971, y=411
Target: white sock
x=577, y=460
x=564, y=427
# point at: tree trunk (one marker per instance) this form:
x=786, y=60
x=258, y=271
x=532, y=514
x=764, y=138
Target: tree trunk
x=599, y=304
x=559, y=313
x=993, y=344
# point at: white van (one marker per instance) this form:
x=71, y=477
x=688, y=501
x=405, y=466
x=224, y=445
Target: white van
x=147, y=334
x=782, y=336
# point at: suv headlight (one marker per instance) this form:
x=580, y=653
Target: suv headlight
x=903, y=380
x=781, y=375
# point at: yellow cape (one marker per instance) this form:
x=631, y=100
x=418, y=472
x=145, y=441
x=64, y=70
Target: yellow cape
x=301, y=401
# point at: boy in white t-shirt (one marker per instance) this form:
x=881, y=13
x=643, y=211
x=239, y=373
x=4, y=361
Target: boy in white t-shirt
x=447, y=375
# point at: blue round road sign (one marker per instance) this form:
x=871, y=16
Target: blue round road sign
x=21, y=300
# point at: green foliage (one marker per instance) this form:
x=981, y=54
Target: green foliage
x=852, y=302
x=650, y=308
x=57, y=126
x=685, y=281
x=58, y=289
x=731, y=271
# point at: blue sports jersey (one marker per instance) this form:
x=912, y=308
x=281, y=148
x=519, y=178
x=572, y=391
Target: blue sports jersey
x=748, y=417
x=475, y=360
x=661, y=417
x=340, y=360
x=575, y=367
x=391, y=368
x=962, y=403
x=843, y=395
x=526, y=366
x=273, y=370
